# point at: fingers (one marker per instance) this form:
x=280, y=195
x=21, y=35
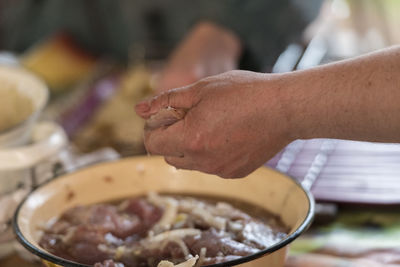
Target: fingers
x=188, y=163
x=191, y=162
x=142, y=109
x=184, y=97
x=231, y=169
x=164, y=117
x=166, y=141
x=179, y=162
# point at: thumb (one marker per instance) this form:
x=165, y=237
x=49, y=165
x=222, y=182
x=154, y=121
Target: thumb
x=180, y=98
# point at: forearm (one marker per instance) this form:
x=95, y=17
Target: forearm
x=213, y=44
x=220, y=42
x=355, y=99
x=207, y=50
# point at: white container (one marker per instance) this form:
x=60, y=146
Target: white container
x=28, y=85
x=22, y=147
x=27, y=143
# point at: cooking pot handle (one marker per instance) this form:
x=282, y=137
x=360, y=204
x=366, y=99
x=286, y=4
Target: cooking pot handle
x=319, y=162
x=48, y=139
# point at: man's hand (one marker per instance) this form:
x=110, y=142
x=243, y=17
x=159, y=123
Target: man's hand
x=234, y=123
x=207, y=50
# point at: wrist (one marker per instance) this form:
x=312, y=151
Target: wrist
x=300, y=105
x=354, y=99
x=275, y=106
x=318, y=105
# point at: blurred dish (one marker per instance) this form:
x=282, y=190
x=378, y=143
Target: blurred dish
x=23, y=142
x=115, y=124
x=30, y=97
x=59, y=61
x=14, y=106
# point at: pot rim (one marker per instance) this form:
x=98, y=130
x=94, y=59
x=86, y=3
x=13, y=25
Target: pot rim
x=68, y=263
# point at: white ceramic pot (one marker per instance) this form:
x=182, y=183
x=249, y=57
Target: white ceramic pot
x=22, y=147
x=267, y=188
x=29, y=85
x=27, y=143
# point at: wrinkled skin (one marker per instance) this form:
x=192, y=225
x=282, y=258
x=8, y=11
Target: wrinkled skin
x=229, y=128
x=207, y=50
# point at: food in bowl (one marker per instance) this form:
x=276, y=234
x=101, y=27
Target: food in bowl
x=145, y=230
x=136, y=176
x=14, y=106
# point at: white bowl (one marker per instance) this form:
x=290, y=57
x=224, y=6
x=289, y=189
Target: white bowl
x=36, y=90
x=265, y=188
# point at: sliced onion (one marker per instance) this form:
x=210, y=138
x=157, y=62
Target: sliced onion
x=173, y=234
x=170, y=207
x=189, y=263
x=214, y=221
x=206, y=213
x=203, y=252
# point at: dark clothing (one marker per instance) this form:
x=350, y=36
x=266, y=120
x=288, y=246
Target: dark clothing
x=118, y=27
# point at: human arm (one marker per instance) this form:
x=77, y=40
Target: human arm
x=207, y=50
x=357, y=99
x=233, y=35
x=238, y=120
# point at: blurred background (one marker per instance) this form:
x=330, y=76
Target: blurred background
x=99, y=58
